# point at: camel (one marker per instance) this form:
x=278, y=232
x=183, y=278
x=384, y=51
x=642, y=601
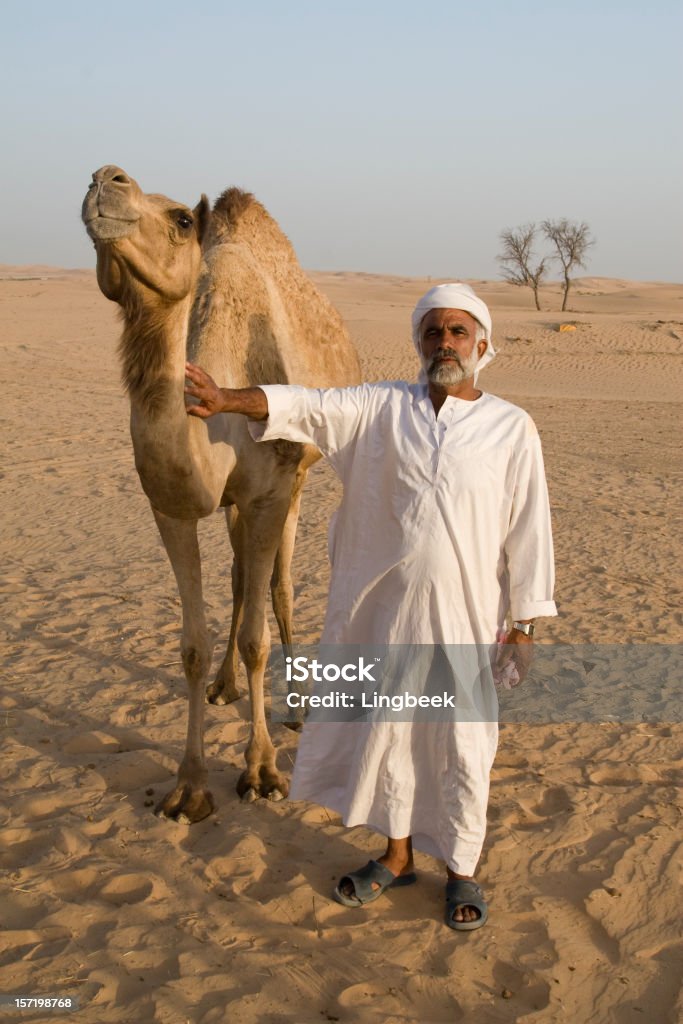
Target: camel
x=221, y=288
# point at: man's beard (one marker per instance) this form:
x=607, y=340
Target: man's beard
x=452, y=371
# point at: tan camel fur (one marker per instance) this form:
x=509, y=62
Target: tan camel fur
x=222, y=289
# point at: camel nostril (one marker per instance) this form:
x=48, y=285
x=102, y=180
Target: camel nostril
x=122, y=179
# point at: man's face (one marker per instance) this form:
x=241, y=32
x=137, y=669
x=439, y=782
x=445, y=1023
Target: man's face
x=450, y=352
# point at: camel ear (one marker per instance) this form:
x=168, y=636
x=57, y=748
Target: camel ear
x=202, y=215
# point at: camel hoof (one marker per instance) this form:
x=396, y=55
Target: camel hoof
x=218, y=700
x=262, y=782
x=218, y=694
x=186, y=805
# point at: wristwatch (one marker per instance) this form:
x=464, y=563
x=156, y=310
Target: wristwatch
x=524, y=627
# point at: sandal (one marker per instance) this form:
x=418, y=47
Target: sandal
x=362, y=882
x=461, y=893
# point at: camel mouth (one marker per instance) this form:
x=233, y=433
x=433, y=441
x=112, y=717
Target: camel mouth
x=107, y=216
x=103, y=228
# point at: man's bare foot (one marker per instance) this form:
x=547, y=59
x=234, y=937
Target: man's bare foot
x=398, y=859
x=463, y=913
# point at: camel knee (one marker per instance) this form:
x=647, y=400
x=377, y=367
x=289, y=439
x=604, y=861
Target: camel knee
x=253, y=653
x=282, y=587
x=196, y=661
x=253, y=647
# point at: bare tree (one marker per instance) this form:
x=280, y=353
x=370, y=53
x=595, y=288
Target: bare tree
x=517, y=257
x=571, y=241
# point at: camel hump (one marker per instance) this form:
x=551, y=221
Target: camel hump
x=231, y=204
x=233, y=215
x=239, y=217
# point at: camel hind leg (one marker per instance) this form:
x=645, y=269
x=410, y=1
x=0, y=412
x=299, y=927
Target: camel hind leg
x=281, y=587
x=190, y=800
x=264, y=523
x=224, y=689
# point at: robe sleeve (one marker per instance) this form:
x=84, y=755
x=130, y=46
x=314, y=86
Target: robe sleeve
x=328, y=418
x=529, y=543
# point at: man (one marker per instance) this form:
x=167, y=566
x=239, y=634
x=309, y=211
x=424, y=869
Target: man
x=443, y=530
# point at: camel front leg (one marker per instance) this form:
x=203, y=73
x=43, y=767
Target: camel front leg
x=263, y=532
x=190, y=800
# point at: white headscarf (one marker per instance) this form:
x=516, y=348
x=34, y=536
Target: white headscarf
x=454, y=296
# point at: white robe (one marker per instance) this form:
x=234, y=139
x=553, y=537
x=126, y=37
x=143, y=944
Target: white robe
x=443, y=529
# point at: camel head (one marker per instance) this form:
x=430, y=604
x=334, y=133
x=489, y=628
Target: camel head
x=147, y=245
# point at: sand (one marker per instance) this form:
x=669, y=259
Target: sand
x=231, y=919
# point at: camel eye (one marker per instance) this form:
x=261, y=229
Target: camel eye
x=184, y=221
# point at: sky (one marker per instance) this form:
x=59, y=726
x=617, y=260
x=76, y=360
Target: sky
x=386, y=137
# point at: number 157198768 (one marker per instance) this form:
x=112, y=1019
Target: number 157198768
x=55, y=1003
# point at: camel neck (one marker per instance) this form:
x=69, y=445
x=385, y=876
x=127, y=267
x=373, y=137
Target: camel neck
x=152, y=350
x=181, y=465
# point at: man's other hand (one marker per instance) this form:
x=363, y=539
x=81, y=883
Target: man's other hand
x=517, y=649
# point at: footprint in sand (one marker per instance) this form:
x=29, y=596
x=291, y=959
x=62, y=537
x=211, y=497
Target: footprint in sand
x=29, y=944
x=131, y=888
x=97, y=742
x=87, y=884
x=554, y=800
x=367, y=994
x=20, y=910
x=241, y=868
x=52, y=805
x=21, y=847
x=71, y=843
x=77, y=885
x=624, y=775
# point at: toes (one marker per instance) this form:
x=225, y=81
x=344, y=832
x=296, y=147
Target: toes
x=465, y=913
x=263, y=782
x=186, y=805
x=347, y=888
